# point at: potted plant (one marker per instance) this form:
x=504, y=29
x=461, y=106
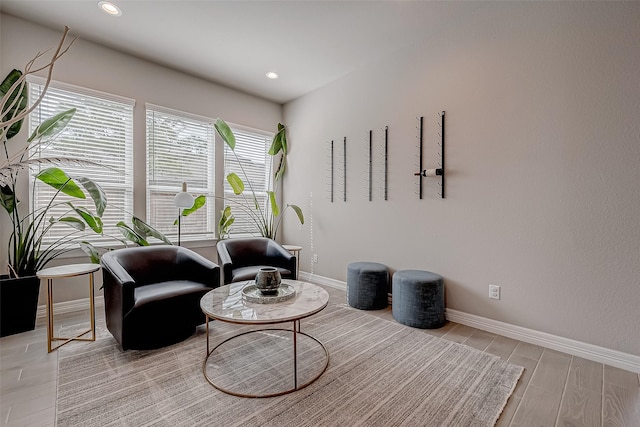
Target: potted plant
x=27, y=250
x=27, y=254
x=266, y=219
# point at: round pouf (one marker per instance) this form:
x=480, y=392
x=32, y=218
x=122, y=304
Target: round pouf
x=367, y=285
x=418, y=299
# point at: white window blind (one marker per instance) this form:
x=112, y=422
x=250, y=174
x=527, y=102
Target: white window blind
x=180, y=148
x=101, y=131
x=251, y=149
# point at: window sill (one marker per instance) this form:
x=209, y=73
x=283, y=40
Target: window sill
x=190, y=244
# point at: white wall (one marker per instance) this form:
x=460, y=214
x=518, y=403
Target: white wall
x=543, y=167
x=97, y=67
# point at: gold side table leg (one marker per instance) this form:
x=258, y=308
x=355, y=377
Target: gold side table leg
x=206, y=318
x=92, y=307
x=296, y=328
x=49, y=314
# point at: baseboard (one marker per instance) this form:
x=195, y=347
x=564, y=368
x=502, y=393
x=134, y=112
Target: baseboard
x=321, y=280
x=588, y=351
x=74, y=306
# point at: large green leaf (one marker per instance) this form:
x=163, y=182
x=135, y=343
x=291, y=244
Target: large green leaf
x=58, y=179
x=71, y=221
x=227, y=223
x=7, y=198
x=91, y=251
x=97, y=194
x=143, y=229
x=298, y=212
x=225, y=133
x=94, y=222
x=199, y=202
x=51, y=127
x=275, y=209
x=280, y=144
x=20, y=105
x=276, y=144
x=131, y=235
x=226, y=220
x=236, y=183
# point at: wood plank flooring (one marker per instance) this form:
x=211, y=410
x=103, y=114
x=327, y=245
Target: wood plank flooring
x=556, y=389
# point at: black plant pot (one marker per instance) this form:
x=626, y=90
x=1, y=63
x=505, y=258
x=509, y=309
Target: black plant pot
x=18, y=304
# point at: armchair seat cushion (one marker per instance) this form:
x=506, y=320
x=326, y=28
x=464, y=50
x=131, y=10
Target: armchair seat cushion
x=250, y=272
x=148, y=294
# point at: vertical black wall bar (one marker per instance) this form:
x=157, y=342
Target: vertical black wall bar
x=420, y=161
x=331, y=171
x=344, y=158
x=386, y=151
x=442, y=155
x=370, y=165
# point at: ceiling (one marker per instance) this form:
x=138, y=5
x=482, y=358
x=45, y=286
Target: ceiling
x=235, y=43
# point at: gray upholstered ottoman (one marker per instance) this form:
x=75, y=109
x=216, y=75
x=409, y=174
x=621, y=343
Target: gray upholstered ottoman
x=418, y=299
x=367, y=285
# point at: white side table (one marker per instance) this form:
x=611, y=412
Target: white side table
x=61, y=272
x=295, y=251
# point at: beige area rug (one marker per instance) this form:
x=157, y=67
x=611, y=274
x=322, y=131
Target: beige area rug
x=380, y=373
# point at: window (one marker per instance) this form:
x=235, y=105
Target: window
x=252, y=157
x=180, y=148
x=100, y=131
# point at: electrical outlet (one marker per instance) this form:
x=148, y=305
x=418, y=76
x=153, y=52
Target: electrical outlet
x=494, y=292
x=315, y=258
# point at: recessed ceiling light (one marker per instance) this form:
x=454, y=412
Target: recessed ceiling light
x=109, y=8
x=272, y=75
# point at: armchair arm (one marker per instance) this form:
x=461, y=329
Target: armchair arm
x=119, y=289
x=118, y=283
x=280, y=257
x=225, y=261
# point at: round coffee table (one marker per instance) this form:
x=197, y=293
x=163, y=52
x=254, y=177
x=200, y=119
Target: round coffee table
x=228, y=305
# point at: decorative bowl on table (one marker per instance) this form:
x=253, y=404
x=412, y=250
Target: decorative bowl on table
x=284, y=293
x=268, y=280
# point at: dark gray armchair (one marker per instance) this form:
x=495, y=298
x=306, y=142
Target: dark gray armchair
x=152, y=294
x=241, y=259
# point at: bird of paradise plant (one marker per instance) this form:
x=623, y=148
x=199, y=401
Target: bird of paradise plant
x=266, y=219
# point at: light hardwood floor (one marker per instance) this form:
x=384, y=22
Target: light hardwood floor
x=556, y=389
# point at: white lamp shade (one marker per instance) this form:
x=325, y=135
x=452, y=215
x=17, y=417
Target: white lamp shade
x=183, y=199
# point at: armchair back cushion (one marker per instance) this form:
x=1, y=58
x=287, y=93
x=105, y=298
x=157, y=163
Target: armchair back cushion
x=241, y=259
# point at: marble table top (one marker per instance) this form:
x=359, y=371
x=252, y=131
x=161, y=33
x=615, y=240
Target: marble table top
x=226, y=303
x=67, y=271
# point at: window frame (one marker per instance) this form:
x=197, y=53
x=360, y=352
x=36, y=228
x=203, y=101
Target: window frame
x=209, y=209
x=75, y=94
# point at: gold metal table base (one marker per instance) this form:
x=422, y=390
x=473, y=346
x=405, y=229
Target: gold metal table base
x=296, y=331
x=79, y=337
